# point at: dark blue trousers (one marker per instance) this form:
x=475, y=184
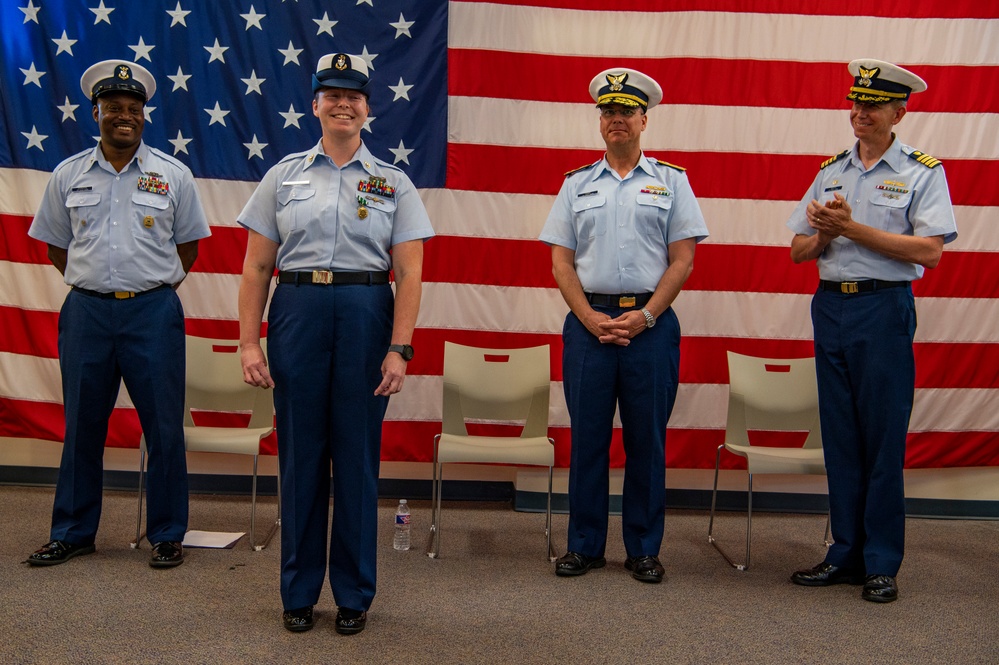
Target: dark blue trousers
x=866, y=377
x=641, y=379
x=101, y=343
x=326, y=345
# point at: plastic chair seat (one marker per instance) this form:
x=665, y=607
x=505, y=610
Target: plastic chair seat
x=485, y=449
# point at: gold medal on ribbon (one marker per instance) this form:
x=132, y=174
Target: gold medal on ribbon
x=147, y=221
x=362, y=212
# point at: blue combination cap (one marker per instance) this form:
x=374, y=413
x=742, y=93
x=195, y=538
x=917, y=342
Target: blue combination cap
x=339, y=70
x=877, y=82
x=117, y=76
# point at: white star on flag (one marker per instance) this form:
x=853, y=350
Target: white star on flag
x=217, y=114
x=179, y=143
x=147, y=113
x=291, y=117
x=256, y=148
x=178, y=15
x=401, y=153
x=102, y=13
x=68, y=110
x=253, y=19
x=30, y=12
x=290, y=54
x=218, y=52
x=401, y=91
x=142, y=50
x=34, y=138
x=367, y=123
x=179, y=79
x=402, y=26
x=368, y=58
x=65, y=44
x=32, y=75
x=253, y=83
x=325, y=24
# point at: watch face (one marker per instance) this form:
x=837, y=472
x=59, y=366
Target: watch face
x=407, y=352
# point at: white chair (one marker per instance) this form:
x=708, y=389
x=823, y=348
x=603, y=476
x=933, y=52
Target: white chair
x=495, y=385
x=769, y=395
x=215, y=383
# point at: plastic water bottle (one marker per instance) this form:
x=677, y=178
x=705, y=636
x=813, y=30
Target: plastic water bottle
x=401, y=539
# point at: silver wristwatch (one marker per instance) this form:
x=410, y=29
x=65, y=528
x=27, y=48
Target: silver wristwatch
x=649, y=319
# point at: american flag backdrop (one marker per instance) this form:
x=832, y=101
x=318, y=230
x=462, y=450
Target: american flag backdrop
x=485, y=106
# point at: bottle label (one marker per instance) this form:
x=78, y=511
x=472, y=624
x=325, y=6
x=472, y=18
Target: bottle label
x=402, y=519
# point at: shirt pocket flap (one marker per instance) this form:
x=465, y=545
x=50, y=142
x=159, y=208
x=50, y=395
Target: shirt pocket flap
x=286, y=195
x=82, y=199
x=891, y=199
x=586, y=202
x=656, y=200
x=158, y=201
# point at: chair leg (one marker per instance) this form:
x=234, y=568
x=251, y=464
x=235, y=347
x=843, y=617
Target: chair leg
x=433, y=541
x=548, y=519
x=139, y=533
x=253, y=514
x=711, y=522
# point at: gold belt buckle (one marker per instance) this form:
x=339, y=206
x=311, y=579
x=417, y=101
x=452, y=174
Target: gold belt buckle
x=626, y=301
x=123, y=295
x=849, y=287
x=322, y=277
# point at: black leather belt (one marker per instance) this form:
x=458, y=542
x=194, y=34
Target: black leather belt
x=859, y=287
x=119, y=295
x=619, y=300
x=328, y=277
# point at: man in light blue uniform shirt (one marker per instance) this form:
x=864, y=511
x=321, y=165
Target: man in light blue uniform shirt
x=122, y=222
x=334, y=220
x=874, y=218
x=623, y=233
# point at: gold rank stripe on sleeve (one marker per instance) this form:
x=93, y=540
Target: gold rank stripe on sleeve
x=672, y=166
x=924, y=159
x=834, y=158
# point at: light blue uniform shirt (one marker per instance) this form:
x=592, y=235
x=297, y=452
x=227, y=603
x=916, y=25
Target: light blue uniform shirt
x=121, y=230
x=898, y=195
x=310, y=207
x=620, y=228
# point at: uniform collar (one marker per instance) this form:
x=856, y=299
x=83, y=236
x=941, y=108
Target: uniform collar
x=893, y=156
x=362, y=157
x=644, y=163
x=141, y=157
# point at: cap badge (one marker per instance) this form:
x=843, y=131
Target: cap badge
x=866, y=75
x=341, y=62
x=123, y=73
x=617, y=82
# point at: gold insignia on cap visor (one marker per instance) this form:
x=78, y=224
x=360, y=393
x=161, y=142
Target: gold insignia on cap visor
x=866, y=75
x=341, y=62
x=123, y=73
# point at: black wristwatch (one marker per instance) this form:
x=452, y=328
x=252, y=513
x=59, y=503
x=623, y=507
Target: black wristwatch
x=404, y=350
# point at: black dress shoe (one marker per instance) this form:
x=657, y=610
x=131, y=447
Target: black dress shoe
x=826, y=574
x=58, y=551
x=167, y=555
x=349, y=622
x=880, y=589
x=645, y=568
x=298, y=620
x=572, y=564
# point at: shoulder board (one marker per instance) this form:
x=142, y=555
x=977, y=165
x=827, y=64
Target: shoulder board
x=925, y=159
x=834, y=158
x=581, y=168
x=672, y=166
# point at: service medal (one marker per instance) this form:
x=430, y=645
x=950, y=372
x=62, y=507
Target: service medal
x=147, y=221
x=362, y=212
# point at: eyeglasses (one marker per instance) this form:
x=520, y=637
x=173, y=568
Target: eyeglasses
x=624, y=111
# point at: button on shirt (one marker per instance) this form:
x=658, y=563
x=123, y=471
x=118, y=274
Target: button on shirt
x=898, y=195
x=121, y=230
x=310, y=207
x=620, y=228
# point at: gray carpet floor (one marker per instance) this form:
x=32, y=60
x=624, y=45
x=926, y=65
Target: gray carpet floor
x=492, y=597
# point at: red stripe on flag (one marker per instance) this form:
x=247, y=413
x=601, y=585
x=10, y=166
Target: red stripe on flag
x=15, y=243
x=719, y=175
x=499, y=74
x=858, y=8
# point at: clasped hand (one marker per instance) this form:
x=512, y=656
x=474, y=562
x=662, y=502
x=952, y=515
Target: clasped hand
x=619, y=330
x=830, y=219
